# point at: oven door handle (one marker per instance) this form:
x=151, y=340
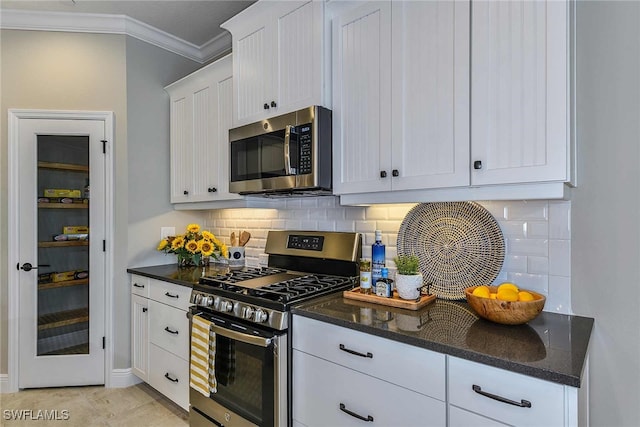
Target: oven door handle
x=239, y=336
x=287, y=150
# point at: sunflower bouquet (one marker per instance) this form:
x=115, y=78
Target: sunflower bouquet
x=194, y=246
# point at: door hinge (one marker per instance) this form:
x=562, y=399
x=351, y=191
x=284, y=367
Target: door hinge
x=104, y=146
x=104, y=246
x=104, y=340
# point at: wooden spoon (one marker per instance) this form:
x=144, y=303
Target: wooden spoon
x=233, y=239
x=244, y=238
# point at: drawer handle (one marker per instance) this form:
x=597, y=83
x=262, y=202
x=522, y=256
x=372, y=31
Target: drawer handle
x=343, y=348
x=138, y=286
x=171, y=331
x=171, y=295
x=344, y=409
x=167, y=376
x=523, y=403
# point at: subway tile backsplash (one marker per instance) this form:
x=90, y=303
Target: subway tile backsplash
x=537, y=235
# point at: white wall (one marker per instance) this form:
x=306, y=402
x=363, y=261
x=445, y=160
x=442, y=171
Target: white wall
x=537, y=235
x=605, y=207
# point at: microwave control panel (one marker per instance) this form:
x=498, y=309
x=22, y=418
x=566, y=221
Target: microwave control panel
x=304, y=144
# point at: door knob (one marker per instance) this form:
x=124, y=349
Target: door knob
x=212, y=189
x=477, y=164
x=28, y=267
x=395, y=172
x=265, y=106
x=383, y=174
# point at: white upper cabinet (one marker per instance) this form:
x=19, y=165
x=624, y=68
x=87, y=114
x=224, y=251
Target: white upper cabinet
x=278, y=58
x=362, y=98
x=200, y=122
x=519, y=92
x=401, y=96
x=430, y=94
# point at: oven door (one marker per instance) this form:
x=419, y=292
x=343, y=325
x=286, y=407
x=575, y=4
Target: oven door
x=251, y=377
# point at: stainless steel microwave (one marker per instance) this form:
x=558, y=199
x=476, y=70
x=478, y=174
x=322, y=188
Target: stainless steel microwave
x=288, y=154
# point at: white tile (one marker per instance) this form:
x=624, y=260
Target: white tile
x=537, y=229
x=377, y=212
x=515, y=263
x=365, y=227
x=293, y=203
x=513, y=229
x=537, y=265
x=535, y=282
x=308, y=202
x=388, y=227
x=560, y=257
x=309, y=225
x=497, y=209
x=534, y=247
x=356, y=213
x=293, y=224
x=327, y=225
x=317, y=214
x=536, y=210
x=559, y=296
x=560, y=220
x=399, y=212
x=328, y=202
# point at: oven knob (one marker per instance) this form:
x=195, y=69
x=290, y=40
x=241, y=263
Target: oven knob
x=196, y=298
x=226, y=306
x=247, y=312
x=207, y=301
x=216, y=303
x=260, y=316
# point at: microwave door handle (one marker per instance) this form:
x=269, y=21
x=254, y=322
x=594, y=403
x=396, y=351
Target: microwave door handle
x=287, y=148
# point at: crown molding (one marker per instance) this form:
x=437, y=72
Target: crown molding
x=11, y=19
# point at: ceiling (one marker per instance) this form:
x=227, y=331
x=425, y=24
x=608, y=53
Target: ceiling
x=196, y=22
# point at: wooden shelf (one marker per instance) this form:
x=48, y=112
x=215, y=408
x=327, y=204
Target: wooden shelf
x=63, y=166
x=63, y=318
x=63, y=244
x=63, y=205
x=52, y=285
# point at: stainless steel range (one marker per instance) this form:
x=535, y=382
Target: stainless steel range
x=249, y=312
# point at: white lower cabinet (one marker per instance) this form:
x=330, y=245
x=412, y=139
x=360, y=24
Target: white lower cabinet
x=160, y=337
x=343, y=377
x=461, y=418
x=506, y=397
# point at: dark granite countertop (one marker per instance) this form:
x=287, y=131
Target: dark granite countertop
x=180, y=276
x=552, y=347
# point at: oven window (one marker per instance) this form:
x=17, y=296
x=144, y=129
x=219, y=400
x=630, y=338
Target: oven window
x=262, y=157
x=245, y=376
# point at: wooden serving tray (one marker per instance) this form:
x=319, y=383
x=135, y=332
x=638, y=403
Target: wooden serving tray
x=396, y=301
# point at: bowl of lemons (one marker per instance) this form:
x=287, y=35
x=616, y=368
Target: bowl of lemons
x=505, y=304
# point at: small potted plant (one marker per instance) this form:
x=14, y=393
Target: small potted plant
x=408, y=277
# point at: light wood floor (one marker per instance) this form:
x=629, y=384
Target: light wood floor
x=135, y=406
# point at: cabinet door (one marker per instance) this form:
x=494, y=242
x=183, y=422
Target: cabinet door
x=519, y=110
x=430, y=91
x=362, y=99
x=461, y=418
x=181, y=147
x=140, y=337
x=299, y=56
x=252, y=74
x=332, y=395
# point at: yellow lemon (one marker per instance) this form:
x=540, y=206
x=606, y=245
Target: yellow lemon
x=481, y=291
x=525, y=296
x=507, y=294
x=507, y=285
x=493, y=295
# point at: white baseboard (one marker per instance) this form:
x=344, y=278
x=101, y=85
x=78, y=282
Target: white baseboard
x=119, y=378
x=122, y=378
x=4, y=383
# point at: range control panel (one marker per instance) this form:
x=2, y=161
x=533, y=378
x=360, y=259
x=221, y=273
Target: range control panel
x=310, y=243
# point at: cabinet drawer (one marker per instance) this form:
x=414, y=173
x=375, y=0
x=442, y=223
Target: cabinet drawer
x=170, y=293
x=169, y=329
x=408, y=366
x=322, y=388
x=169, y=374
x=461, y=418
x=140, y=285
x=546, y=398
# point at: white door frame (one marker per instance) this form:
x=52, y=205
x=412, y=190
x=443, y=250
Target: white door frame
x=15, y=115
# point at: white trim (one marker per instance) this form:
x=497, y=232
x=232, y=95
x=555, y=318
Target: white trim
x=4, y=383
x=12, y=19
x=13, y=302
x=122, y=378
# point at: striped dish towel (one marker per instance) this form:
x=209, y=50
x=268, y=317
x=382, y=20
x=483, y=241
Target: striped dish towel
x=203, y=355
